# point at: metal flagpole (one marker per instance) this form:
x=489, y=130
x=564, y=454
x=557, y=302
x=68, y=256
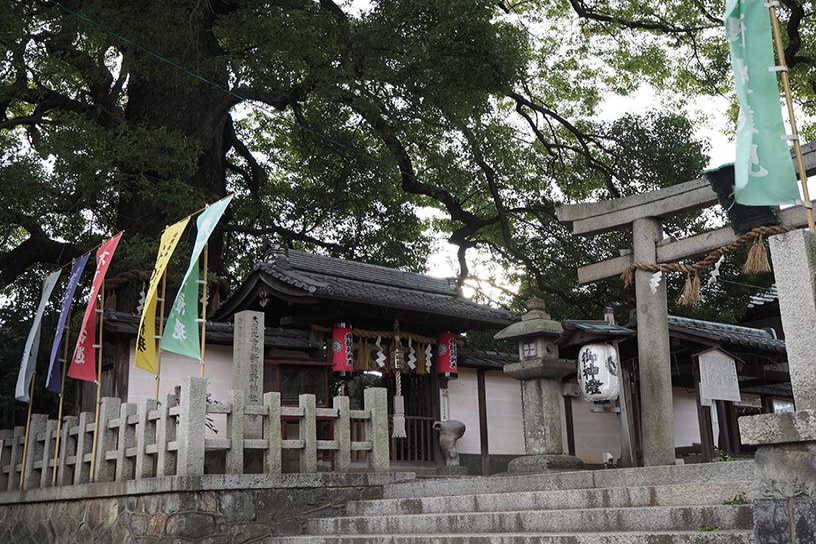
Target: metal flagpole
x=204, y=310
x=101, y=311
x=28, y=427
x=161, y=332
x=797, y=148
x=66, y=335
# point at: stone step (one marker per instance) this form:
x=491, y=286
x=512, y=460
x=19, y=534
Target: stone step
x=618, y=497
x=726, y=471
x=656, y=537
x=654, y=518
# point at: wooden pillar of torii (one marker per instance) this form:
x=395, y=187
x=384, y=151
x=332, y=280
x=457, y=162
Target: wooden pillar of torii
x=642, y=213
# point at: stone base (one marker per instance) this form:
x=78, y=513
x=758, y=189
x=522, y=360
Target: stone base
x=452, y=471
x=784, y=475
x=544, y=463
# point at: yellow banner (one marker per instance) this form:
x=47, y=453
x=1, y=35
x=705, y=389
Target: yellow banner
x=146, y=357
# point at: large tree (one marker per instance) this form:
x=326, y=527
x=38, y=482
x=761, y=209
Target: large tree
x=359, y=129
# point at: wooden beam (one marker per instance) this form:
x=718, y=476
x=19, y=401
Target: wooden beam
x=673, y=251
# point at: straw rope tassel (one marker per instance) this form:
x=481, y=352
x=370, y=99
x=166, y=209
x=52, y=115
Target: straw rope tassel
x=757, y=260
x=398, y=430
x=691, y=290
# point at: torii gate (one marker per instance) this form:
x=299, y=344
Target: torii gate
x=644, y=212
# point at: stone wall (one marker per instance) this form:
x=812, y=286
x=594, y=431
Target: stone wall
x=213, y=509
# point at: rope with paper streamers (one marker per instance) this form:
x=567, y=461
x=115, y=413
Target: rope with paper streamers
x=757, y=261
x=398, y=430
x=363, y=333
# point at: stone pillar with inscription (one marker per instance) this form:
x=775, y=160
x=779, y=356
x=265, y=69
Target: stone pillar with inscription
x=785, y=462
x=248, y=358
x=541, y=372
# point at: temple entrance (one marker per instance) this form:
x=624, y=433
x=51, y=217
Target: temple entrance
x=421, y=410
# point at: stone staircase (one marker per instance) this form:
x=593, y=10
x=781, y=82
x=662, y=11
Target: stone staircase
x=654, y=505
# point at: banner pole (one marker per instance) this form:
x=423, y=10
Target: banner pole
x=66, y=336
x=101, y=311
x=797, y=148
x=161, y=333
x=204, y=310
x=28, y=427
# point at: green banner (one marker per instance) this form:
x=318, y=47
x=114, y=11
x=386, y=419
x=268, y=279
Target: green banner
x=763, y=169
x=181, y=331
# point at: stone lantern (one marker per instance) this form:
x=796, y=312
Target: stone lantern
x=541, y=373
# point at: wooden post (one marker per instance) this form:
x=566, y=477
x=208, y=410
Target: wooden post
x=272, y=432
x=342, y=434
x=308, y=433
x=235, y=432
x=483, y=443
x=376, y=403
x=653, y=349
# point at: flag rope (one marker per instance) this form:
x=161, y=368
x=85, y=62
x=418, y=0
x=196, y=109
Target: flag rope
x=98, y=382
x=204, y=309
x=66, y=336
x=797, y=148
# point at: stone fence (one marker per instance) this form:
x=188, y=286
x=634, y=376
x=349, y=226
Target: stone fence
x=170, y=439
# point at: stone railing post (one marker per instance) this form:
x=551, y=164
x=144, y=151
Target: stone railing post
x=235, y=432
x=6, y=436
x=342, y=434
x=15, y=458
x=272, y=433
x=48, y=452
x=104, y=470
x=376, y=402
x=784, y=476
x=192, y=427
x=165, y=433
x=308, y=433
x=126, y=466
x=68, y=443
x=35, y=449
x=84, y=444
x=145, y=436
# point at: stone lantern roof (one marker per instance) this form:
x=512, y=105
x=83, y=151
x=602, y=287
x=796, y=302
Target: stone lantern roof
x=535, y=323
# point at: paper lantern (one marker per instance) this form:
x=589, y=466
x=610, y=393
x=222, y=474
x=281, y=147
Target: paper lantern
x=598, y=372
x=342, y=348
x=447, y=356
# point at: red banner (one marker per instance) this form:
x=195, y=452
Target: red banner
x=82, y=363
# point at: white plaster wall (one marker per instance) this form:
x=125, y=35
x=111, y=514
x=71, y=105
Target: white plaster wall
x=596, y=433
x=174, y=368
x=505, y=433
x=463, y=403
x=505, y=430
x=686, y=426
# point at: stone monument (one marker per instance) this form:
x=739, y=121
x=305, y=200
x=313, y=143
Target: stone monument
x=785, y=462
x=247, y=370
x=540, y=371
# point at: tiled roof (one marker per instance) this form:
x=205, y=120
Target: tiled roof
x=764, y=297
x=730, y=334
x=489, y=359
x=339, y=279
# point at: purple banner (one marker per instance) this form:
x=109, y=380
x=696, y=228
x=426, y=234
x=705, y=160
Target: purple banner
x=53, y=381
